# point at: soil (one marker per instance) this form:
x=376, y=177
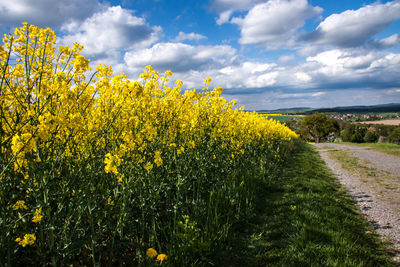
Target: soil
x=385, y=122
x=378, y=195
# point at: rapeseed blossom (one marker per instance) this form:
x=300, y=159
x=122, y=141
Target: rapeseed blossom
x=110, y=202
x=64, y=133
x=37, y=217
x=29, y=239
x=148, y=166
x=157, y=158
x=111, y=163
x=20, y=205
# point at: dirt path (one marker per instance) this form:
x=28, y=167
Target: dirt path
x=377, y=195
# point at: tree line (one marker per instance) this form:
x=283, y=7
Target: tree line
x=320, y=128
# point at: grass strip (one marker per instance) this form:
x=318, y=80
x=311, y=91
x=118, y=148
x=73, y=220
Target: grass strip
x=388, y=148
x=304, y=218
x=353, y=164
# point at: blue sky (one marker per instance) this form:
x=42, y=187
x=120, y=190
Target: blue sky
x=266, y=54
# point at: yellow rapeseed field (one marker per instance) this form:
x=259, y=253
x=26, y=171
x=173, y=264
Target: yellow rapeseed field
x=97, y=168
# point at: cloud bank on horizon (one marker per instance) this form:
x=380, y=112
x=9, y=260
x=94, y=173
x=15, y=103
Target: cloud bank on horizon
x=267, y=54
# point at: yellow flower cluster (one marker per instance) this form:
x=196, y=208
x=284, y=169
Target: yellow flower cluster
x=37, y=217
x=29, y=239
x=53, y=102
x=20, y=205
x=56, y=122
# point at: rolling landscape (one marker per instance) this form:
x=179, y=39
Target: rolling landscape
x=384, y=108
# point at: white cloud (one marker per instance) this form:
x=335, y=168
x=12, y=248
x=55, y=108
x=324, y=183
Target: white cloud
x=299, y=95
x=263, y=80
x=189, y=36
x=353, y=68
x=274, y=24
x=106, y=34
x=318, y=94
x=390, y=41
x=286, y=58
x=180, y=57
x=45, y=12
x=247, y=75
x=354, y=27
x=393, y=91
x=303, y=77
x=226, y=8
x=192, y=64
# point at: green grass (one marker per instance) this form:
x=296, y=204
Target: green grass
x=285, y=118
x=324, y=229
x=353, y=164
x=387, y=148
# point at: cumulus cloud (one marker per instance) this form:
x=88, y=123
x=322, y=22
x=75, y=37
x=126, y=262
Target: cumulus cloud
x=45, y=12
x=226, y=8
x=303, y=77
x=286, y=58
x=108, y=33
x=189, y=36
x=180, y=57
x=390, y=41
x=192, y=63
x=274, y=24
x=353, y=28
x=247, y=75
x=354, y=68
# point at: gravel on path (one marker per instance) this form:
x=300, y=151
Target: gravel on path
x=383, y=215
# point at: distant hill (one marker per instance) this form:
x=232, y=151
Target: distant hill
x=286, y=110
x=391, y=107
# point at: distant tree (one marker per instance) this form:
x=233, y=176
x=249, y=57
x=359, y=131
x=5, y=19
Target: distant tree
x=347, y=132
x=317, y=126
x=294, y=125
x=371, y=137
x=357, y=137
x=394, y=136
x=384, y=130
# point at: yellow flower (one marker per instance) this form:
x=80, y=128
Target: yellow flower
x=29, y=239
x=180, y=150
x=292, y=207
x=111, y=163
x=157, y=158
x=151, y=253
x=161, y=257
x=20, y=205
x=148, y=166
x=37, y=216
x=168, y=73
x=207, y=80
x=110, y=202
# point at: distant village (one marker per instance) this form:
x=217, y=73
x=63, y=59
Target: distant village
x=354, y=117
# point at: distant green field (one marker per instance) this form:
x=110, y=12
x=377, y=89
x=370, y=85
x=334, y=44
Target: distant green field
x=285, y=118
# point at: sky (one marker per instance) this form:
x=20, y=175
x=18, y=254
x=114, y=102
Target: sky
x=266, y=54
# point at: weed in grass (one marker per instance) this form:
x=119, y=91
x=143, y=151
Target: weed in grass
x=354, y=165
x=388, y=148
